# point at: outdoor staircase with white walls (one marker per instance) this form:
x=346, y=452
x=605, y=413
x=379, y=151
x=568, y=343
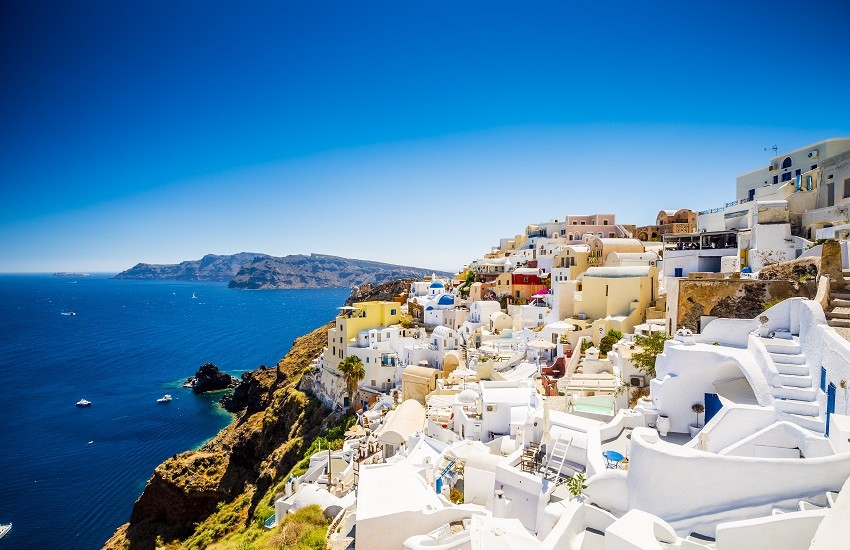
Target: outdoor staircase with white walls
x=794, y=389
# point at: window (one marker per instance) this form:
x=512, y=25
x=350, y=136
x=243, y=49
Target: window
x=847, y=188
x=775, y=179
x=392, y=312
x=611, y=235
x=786, y=176
x=830, y=194
x=823, y=378
x=606, y=290
x=786, y=163
x=797, y=172
x=582, y=223
x=604, y=222
x=517, y=293
x=813, y=166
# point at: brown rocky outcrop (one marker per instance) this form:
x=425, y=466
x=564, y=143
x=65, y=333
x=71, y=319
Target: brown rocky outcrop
x=381, y=292
x=273, y=424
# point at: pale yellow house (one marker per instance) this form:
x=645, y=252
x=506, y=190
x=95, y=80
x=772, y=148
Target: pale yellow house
x=502, y=285
x=601, y=247
x=616, y=298
x=570, y=262
x=348, y=324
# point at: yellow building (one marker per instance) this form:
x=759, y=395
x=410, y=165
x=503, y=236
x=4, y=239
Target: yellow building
x=570, y=262
x=351, y=320
x=502, y=285
x=616, y=297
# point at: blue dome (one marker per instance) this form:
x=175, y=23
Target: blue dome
x=429, y=308
x=437, y=284
x=446, y=300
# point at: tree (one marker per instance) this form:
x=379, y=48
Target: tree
x=651, y=346
x=352, y=372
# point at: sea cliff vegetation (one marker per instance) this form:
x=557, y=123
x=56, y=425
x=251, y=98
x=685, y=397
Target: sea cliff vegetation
x=219, y=495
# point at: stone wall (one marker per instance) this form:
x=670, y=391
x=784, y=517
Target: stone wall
x=732, y=298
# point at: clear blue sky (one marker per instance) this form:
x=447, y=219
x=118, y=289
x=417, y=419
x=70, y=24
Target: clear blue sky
x=408, y=132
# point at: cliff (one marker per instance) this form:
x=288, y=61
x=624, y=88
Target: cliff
x=319, y=271
x=196, y=497
x=211, y=267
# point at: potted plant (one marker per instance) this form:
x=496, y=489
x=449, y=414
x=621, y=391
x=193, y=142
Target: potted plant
x=663, y=424
x=577, y=485
x=698, y=408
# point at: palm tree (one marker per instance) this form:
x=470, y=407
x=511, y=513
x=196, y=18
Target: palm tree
x=352, y=372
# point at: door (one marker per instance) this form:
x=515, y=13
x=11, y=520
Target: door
x=712, y=406
x=830, y=405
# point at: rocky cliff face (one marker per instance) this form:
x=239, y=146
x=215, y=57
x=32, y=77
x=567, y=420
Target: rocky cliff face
x=319, y=271
x=209, y=268
x=273, y=424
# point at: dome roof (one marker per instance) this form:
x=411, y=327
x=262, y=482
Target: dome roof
x=467, y=396
x=437, y=284
x=446, y=300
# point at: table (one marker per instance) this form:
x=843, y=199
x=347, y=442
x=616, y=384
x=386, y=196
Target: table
x=612, y=459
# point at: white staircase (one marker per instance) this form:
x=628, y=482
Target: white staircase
x=794, y=389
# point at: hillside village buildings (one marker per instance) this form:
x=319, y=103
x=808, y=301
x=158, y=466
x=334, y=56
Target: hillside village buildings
x=512, y=407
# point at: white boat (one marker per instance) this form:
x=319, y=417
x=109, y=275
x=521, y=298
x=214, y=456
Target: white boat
x=71, y=313
x=5, y=528
x=194, y=297
x=83, y=403
x=164, y=399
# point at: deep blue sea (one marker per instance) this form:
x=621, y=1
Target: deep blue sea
x=68, y=475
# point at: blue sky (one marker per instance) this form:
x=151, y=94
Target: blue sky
x=408, y=132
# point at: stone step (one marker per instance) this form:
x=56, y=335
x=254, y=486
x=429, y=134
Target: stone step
x=839, y=303
x=796, y=380
x=781, y=345
x=845, y=323
x=838, y=313
x=839, y=296
x=798, y=359
x=805, y=506
x=813, y=423
x=846, y=272
x=792, y=368
x=795, y=393
x=796, y=406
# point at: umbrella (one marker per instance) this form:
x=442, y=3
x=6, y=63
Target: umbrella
x=464, y=373
x=355, y=431
x=547, y=423
x=541, y=344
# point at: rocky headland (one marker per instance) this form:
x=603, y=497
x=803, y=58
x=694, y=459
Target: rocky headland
x=197, y=497
x=211, y=267
x=210, y=378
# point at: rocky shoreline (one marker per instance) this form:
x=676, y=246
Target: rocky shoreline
x=273, y=424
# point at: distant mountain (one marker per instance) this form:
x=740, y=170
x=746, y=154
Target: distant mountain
x=249, y=270
x=211, y=267
x=320, y=271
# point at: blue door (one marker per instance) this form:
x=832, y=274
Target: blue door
x=712, y=406
x=830, y=405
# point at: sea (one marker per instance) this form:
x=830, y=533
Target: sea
x=69, y=476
